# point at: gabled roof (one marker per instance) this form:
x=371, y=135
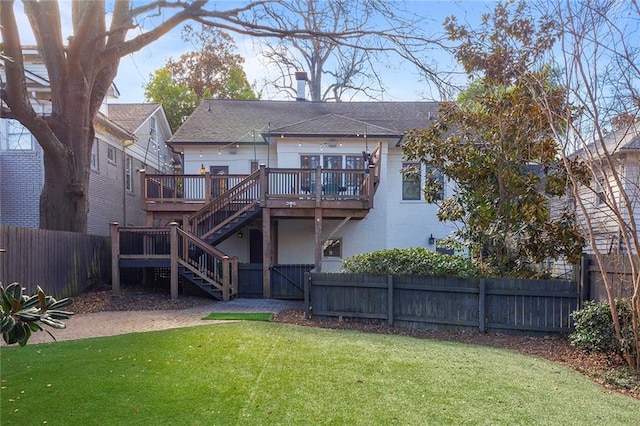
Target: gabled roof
x=334, y=125
x=131, y=116
x=620, y=140
x=222, y=121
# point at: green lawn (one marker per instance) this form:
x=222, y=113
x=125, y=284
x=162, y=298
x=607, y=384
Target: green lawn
x=267, y=373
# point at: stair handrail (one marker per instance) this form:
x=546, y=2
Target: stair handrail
x=221, y=273
x=230, y=219
x=234, y=194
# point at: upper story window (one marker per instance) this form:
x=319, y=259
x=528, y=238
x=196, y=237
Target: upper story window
x=111, y=154
x=94, y=155
x=128, y=174
x=152, y=129
x=435, y=183
x=18, y=137
x=309, y=161
x=411, y=185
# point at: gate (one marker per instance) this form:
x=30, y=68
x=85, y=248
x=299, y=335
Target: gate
x=287, y=281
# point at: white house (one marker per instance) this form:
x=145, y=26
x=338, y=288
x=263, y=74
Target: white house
x=233, y=138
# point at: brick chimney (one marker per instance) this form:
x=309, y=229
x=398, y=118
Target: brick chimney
x=301, y=79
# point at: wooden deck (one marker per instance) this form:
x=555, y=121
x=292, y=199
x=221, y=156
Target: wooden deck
x=289, y=193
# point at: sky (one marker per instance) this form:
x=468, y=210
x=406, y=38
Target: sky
x=402, y=81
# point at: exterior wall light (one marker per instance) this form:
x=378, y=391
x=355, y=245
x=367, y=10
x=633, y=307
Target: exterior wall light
x=202, y=170
x=432, y=240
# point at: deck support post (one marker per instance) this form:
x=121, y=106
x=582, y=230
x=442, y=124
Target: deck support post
x=226, y=278
x=318, y=233
x=267, y=247
x=115, y=259
x=174, y=260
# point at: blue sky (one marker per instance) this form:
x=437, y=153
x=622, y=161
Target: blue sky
x=402, y=79
x=403, y=82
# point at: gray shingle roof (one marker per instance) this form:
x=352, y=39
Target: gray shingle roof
x=131, y=116
x=225, y=121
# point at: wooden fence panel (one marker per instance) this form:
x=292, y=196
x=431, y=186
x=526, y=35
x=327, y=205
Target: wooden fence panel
x=617, y=268
x=441, y=303
x=534, y=305
x=62, y=263
x=446, y=303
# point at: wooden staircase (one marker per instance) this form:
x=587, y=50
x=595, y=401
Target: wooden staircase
x=226, y=213
x=203, y=265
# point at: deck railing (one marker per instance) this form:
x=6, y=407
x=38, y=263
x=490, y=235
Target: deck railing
x=137, y=246
x=344, y=184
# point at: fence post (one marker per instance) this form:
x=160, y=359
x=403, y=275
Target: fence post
x=307, y=291
x=482, y=305
x=234, y=276
x=115, y=259
x=585, y=285
x=390, y=312
x=225, y=278
x=174, y=259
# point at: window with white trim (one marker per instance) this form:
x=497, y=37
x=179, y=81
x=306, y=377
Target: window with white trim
x=18, y=137
x=128, y=174
x=111, y=154
x=94, y=155
x=332, y=248
x=411, y=185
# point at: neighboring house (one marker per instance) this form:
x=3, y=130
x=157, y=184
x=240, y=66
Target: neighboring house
x=129, y=137
x=319, y=159
x=615, y=165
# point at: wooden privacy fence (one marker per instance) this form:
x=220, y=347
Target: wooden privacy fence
x=445, y=303
x=62, y=263
x=617, y=268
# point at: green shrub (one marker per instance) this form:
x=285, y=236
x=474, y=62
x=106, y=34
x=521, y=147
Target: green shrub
x=21, y=315
x=411, y=261
x=594, y=327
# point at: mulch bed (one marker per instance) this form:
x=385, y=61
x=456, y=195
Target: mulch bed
x=608, y=371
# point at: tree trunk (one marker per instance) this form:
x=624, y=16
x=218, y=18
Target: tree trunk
x=64, y=202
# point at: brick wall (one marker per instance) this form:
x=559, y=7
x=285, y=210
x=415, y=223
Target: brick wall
x=21, y=181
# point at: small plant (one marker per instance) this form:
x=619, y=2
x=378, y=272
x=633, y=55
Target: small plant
x=21, y=314
x=594, y=327
x=414, y=261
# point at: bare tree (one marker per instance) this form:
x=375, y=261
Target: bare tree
x=82, y=68
x=601, y=139
x=339, y=71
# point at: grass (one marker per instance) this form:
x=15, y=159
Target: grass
x=243, y=316
x=267, y=373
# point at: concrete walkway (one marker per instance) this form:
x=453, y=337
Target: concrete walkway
x=82, y=326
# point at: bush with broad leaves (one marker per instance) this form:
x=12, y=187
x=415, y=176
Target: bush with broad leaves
x=23, y=314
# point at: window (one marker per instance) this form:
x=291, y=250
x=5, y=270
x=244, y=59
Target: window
x=128, y=174
x=18, y=137
x=254, y=166
x=152, y=129
x=599, y=190
x=111, y=154
x=411, y=181
x=354, y=181
x=332, y=248
x=435, y=179
x=309, y=161
x=94, y=155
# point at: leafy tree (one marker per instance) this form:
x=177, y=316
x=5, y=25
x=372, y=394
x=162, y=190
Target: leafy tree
x=178, y=101
x=82, y=67
x=211, y=69
x=497, y=145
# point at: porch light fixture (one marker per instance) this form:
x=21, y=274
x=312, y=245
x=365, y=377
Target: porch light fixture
x=432, y=240
x=239, y=234
x=203, y=170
